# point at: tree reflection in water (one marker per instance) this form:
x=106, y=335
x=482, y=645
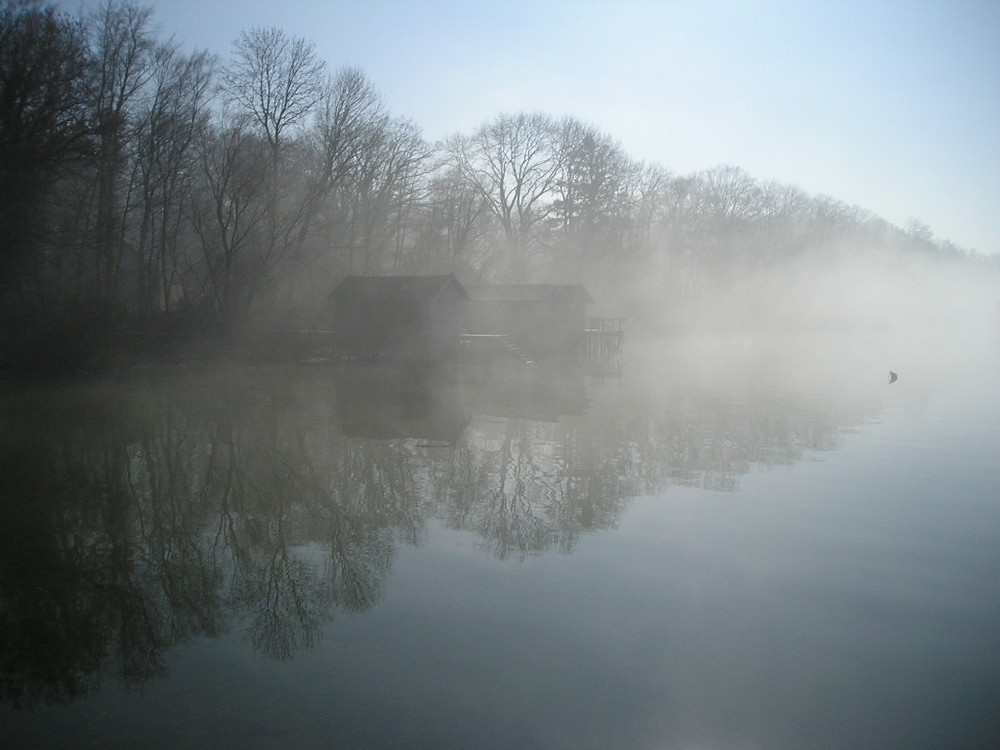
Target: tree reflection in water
x=147, y=510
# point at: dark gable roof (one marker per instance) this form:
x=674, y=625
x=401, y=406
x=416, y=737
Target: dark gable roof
x=395, y=288
x=529, y=292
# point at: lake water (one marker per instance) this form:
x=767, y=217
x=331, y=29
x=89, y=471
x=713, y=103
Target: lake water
x=730, y=542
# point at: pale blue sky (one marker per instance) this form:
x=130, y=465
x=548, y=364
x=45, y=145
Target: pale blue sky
x=889, y=104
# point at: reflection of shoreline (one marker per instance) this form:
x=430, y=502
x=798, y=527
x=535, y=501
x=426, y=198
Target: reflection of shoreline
x=390, y=402
x=149, y=510
x=541, y=391
x=387, y=401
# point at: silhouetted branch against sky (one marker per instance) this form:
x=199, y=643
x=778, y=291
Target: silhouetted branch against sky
x=888, y=105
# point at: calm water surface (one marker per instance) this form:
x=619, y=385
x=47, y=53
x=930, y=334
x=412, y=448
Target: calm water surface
x=734, y=542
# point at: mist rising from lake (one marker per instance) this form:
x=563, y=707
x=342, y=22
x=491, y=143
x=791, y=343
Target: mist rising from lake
x=735, y=540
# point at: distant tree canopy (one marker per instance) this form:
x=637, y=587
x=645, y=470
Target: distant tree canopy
x=138, y=181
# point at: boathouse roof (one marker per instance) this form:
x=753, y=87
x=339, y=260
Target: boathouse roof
x=395, y=288
x=529, y=292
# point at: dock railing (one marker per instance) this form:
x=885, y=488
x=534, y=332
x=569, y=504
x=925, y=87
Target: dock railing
x=604, y=337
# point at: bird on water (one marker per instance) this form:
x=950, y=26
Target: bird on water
x=892, y=377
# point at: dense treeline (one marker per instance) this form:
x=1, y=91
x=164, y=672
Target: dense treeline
x=142, y=187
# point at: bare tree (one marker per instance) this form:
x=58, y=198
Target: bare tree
x=174, y=118
x=515, y=162
x=44, y=67
x=348, y=112
x=349, y=117
x=596, y=192
x=228, y=214
x=123, y=50
x=273, y=84
x=391, y=185
x=276, y=80
x=731, y=195
x=369, y=171
x=455, y=220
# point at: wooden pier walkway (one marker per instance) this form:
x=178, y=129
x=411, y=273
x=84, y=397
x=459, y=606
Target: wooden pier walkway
x=490, y=346
x=604, y=337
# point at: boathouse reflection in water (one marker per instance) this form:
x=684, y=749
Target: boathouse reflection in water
x=150, y=509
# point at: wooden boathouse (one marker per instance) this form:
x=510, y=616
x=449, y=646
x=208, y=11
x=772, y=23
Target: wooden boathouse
x=406, y=318
x=541, y=319
x=436, y=318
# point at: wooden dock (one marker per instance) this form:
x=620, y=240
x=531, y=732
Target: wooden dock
x=604, y=337
x=601, y=339
x=480, y=346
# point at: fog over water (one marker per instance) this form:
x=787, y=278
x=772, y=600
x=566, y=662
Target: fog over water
x=315, y=433
x=739, y=539
x=847, y=289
